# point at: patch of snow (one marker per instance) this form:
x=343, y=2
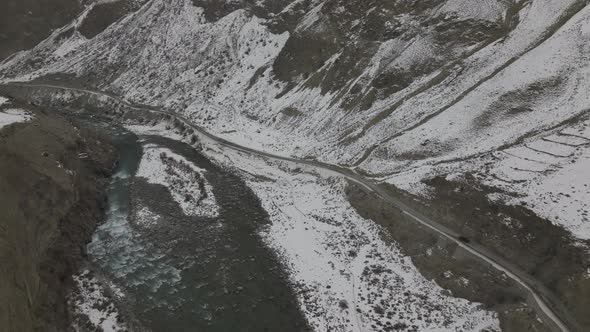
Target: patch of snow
x=567, y=140
x=550, y=176
x=90, y=300
x=185, y=181
x=13, y=115
x=310, y=18
x=526, y=153
x=70, y=45
x=411, y=180
x=487, y=10
x=146, y=218
x=564, y=197
x=158, y=129
x=550, y=148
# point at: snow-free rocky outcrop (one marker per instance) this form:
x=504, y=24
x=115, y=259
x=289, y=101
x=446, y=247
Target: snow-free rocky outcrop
x=491, y=94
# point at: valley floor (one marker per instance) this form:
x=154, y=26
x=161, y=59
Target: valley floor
x=312, y=220
x=346, y=277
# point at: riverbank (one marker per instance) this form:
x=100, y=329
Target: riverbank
x=52, y=180
x=193, y=134
x=339, y=290
x=179, y=249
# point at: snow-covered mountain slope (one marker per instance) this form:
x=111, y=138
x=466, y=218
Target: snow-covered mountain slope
x=402, y=90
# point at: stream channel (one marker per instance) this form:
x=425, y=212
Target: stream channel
x=188, y=273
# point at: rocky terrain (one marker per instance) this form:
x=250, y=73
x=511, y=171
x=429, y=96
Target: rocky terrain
x=52, y=176
x=474, y=111
x=403, y=92
x=24, y=23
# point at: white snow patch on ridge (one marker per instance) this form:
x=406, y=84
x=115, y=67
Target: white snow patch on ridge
x=550, y=176
x=157, y=129
x=186, y=182
x=13, y=115
x=482, y=9
x=146, y=217
x=70, y=45
x=565, y=197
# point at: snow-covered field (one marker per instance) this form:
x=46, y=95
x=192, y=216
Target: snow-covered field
x=13, y=115
x=9, y=116
x=91, y=304
x=486, y=10
x=146, y=217
x=185, y=181
x=346, y=277
x=551, y=176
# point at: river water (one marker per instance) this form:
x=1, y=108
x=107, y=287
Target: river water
x=189, y=273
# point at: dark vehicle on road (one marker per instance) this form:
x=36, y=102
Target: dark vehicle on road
x=464, y=239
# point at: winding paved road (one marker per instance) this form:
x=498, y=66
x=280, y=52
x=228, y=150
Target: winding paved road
x=546, y=304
